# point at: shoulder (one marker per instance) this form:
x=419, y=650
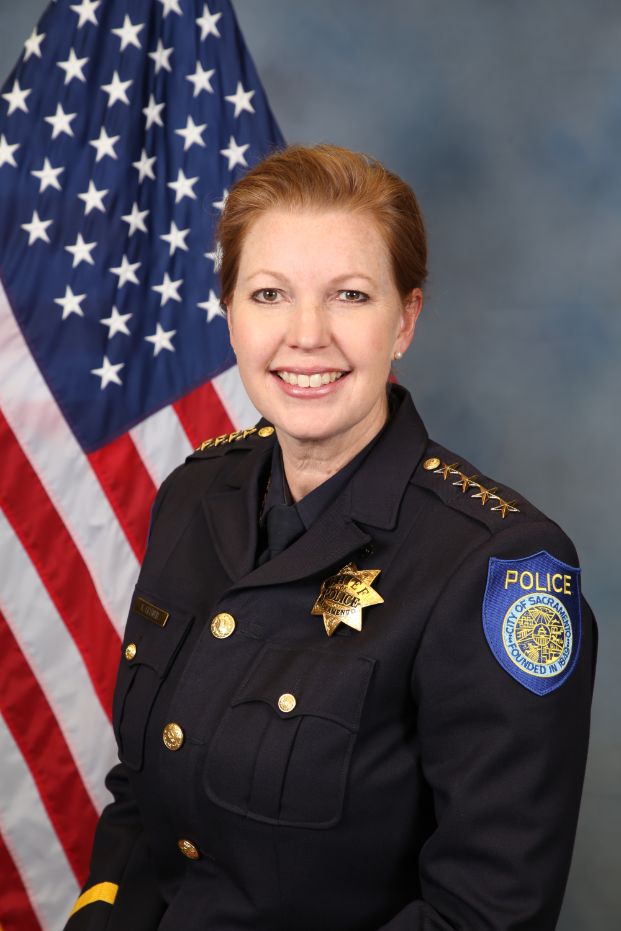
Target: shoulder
x=463, y=488
x=213, y=461
x=483, y=513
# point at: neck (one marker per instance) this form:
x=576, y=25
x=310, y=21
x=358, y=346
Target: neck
x=309, y=463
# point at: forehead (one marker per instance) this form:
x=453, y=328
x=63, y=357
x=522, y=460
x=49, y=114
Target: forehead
x=330, y=241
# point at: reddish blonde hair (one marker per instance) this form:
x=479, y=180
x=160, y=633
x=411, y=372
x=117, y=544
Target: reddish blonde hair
x=326, y=177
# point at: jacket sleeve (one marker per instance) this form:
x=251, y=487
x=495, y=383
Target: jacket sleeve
x=120, y=892
x=505, y=765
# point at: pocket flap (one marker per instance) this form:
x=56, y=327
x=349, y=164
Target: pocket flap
x=326, y=685
x=156, y=630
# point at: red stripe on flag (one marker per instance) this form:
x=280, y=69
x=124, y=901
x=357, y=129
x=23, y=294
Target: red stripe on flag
x=35, y=730
x=16, y=912
x=67, y=580
x=128, y=487
x=202, y=414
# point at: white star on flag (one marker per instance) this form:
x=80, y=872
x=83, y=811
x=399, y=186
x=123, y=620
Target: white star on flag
x=86, y=11
x=161, y=57
x=16, y=98
x=170, y=6
x=135, y=219
x=215, y=257
x=104, y=145
x=152, y=112
x=48, y=176
x=235, y=153
x=109, y=372
x=73, y=67
x=126, y=271
x=70, y=303
x=201, y=79
x=128, y=33
x=168, y=290
x=116, y=90
x=183, y=187
x=6, y=152
x=175, y=238
x=37, y=229
x=81, y=251
x=192, y=134
x=61, y=122
x=212, y=306
x=32, y=45
x=241, y=99
x=219, y=204
x=93, y=198
x=207, y=22
x=161, y=339
x=116, y=323
x=145, y=166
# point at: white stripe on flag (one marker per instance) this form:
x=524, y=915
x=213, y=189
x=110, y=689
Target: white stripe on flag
x=162, y=443
x=26, y=829
x=64, y=470
x=57, y=665
x=234, y=399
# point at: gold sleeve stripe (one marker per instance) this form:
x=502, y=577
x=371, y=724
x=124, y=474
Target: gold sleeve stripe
x=102, y=892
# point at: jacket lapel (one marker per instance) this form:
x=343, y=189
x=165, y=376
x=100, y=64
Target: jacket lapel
x=232, y=511
x=371, y=500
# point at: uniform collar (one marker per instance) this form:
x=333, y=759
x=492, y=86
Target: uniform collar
x=370, y=500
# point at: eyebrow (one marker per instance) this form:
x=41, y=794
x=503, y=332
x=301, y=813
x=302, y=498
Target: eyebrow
x=339, y=278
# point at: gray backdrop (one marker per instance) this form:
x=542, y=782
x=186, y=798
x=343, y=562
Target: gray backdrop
x=506, y=119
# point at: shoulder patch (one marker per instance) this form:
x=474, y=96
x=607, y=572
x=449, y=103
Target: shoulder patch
x=531, y=619
x=450, y=471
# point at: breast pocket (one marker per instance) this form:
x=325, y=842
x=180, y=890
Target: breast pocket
x=281, y=753
x=153, y=636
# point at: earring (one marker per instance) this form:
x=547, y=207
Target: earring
x=397, y=356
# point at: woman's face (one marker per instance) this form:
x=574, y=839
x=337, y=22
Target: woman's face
x=315, y=320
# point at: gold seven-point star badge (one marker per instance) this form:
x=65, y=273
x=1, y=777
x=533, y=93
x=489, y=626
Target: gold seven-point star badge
x=344, y=595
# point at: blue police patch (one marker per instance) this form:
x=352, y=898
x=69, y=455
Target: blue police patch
x=531, y=619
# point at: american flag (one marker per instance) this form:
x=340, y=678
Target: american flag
x=122, y=127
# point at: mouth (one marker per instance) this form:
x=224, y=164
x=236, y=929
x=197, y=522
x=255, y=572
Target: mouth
x=310, y=379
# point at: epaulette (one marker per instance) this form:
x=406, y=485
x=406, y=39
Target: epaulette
x=226, y=438
x=455, y=481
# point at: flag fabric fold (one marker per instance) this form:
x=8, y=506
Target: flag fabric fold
x=122, y=127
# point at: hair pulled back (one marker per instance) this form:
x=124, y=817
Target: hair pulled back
x=326, y=177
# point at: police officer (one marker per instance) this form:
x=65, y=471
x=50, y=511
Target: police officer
x=356, y=676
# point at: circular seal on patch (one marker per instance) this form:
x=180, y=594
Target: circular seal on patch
x=537, y=635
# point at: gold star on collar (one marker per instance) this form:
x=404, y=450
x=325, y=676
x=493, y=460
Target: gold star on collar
x=343, y=596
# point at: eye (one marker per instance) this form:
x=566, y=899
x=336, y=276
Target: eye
x=350, y=296
x=266, y=295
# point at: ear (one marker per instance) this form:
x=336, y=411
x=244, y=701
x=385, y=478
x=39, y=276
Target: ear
x=229, y=322
x=412, y=306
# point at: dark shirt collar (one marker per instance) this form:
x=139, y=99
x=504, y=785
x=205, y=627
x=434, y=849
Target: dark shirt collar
x=283, y=521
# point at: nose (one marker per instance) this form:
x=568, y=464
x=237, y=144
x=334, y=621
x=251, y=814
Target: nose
x=308, y=326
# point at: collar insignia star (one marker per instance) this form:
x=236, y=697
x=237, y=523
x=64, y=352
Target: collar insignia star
x=343, y=596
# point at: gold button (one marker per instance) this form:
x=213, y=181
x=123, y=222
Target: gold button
x=266, y=431
x=188, y=849
x=130, y=651
x=173, y=736
x=223, y=625
x=430, y=464
x=286, y=702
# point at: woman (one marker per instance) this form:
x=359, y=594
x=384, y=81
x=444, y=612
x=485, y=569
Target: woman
x=356, y=676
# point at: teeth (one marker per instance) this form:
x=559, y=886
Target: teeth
x=310, y=381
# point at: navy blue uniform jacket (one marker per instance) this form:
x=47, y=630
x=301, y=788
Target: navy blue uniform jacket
x=416, y=784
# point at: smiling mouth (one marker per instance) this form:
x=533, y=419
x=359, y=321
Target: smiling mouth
x=311, y=380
